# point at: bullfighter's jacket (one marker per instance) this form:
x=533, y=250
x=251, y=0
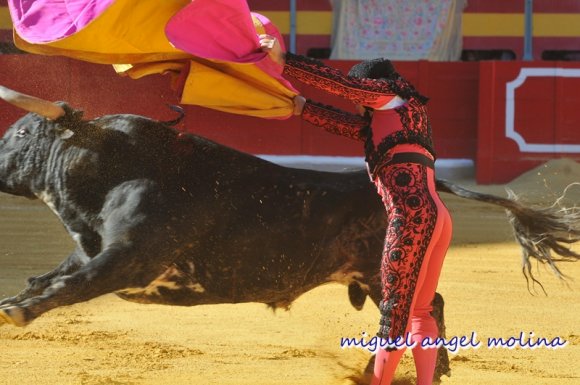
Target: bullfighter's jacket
x=386, y=128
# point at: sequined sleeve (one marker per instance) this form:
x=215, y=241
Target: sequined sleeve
x=334, y=120
x=360, y=91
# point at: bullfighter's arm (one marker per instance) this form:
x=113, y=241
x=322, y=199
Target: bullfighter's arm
x=334, y=120
x=368, y=92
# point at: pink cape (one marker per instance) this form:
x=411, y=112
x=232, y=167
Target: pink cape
x=43, y=21
x=224, y=30
x=213, y=42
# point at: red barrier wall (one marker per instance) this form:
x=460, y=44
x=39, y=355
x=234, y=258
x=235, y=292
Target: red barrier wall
x=469, y=107
x=528, y=114
x=97, y=90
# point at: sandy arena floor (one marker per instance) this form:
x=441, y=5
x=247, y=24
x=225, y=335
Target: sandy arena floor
x=111, y=342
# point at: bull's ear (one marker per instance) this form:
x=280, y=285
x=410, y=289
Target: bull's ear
x=77, y=115
x=70, y=122
x=66, y=134
x=70, y=114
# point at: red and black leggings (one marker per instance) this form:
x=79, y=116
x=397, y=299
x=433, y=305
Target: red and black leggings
x=417, y=239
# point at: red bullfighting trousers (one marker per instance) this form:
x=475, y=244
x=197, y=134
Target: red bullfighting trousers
x=417, y=239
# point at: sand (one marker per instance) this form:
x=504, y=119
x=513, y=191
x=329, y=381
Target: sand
x=110, y=341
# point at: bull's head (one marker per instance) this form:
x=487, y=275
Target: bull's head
x=27, y=144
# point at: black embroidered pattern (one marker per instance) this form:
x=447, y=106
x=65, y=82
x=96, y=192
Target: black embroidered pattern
x=412, y=216
x=335, y=120
x=416, y=130
x=359, y=91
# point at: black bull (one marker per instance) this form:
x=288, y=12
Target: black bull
x=163, y=217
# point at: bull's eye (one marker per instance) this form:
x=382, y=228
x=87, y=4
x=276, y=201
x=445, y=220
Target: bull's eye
x=21, y=133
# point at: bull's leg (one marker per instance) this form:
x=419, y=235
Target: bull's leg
x=36, y=285
x=114, y=269
x=132, y=256
x=442, y=365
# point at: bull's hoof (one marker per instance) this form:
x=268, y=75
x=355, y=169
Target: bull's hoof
x=7, y=301
x=4, y=301
x=13, y=316
x=356, y=295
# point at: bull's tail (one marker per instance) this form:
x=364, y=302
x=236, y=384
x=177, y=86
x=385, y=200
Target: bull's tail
x=177, y=120
x=539, y=231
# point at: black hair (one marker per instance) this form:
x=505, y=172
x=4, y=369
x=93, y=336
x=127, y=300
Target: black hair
x=383, y=69
x=373, y=69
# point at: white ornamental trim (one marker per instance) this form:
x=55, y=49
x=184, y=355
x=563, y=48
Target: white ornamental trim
x=510, y=131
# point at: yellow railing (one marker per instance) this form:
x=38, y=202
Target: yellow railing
x=474, y=24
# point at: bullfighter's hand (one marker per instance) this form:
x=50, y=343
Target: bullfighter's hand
x=271, y=45
x=299, y=102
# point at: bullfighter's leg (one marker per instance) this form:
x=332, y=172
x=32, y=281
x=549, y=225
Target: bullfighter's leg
x=36, y=285
x=131, y=256
x=415, y=248
x=422, y=322
x=442, y=363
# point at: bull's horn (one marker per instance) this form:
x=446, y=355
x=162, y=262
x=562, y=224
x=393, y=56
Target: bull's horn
x=31, y=104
